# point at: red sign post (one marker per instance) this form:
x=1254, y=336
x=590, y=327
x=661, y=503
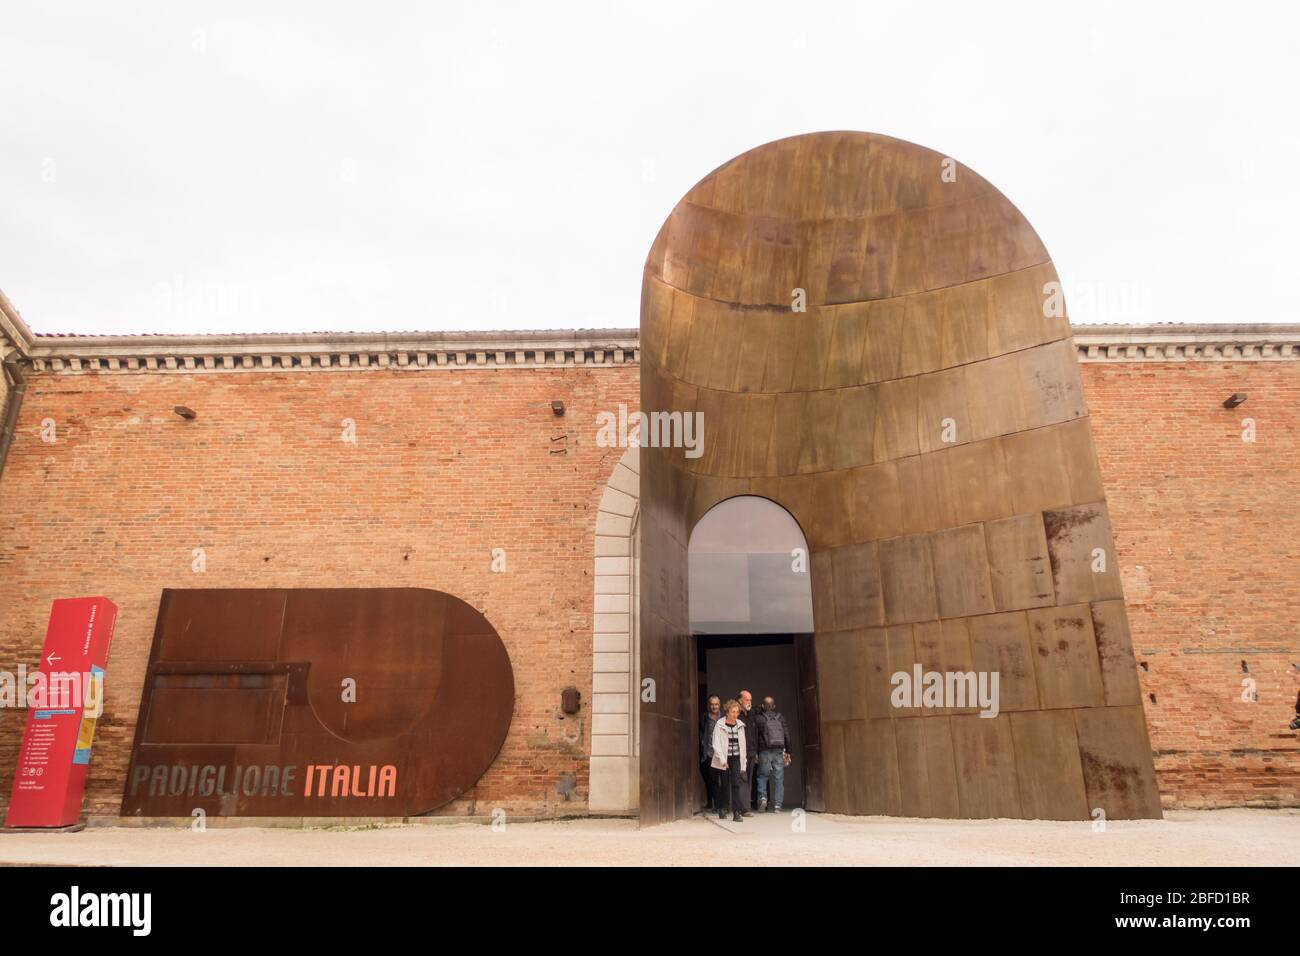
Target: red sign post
x=55, y=754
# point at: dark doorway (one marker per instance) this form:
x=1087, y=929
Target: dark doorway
x=765, y=665
x=751, y=619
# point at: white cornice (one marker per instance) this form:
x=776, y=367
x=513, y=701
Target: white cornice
x=1188, y=343
x=351, y=351
x=15, y=336
x=355, y=351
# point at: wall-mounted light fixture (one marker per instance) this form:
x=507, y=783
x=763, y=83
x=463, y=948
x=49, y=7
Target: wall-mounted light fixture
x=570, y=700
x=1235, y=399
x=557, y=407
x=186, y=412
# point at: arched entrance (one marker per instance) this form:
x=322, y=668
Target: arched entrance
x=751, y=615
x=612, y=786
x=873, y=337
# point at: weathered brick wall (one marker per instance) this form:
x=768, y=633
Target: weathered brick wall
x=1208, y=532
x=447, y=465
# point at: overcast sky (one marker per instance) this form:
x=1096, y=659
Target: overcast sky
x=222, y=167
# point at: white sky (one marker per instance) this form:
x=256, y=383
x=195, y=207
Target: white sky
x=222, y=167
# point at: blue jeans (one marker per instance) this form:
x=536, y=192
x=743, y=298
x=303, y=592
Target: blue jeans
x=772, y=762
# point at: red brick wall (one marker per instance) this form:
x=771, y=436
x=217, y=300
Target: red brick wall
x=447, y=466
x=1208, y=532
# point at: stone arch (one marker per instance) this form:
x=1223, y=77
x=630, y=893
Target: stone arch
x=881, y=347
x=615, y=651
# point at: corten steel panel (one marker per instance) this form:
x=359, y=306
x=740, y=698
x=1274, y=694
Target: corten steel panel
x=835, y=778
x=961, y=572
x=876, y=644
x=907, y=577
x=900, y=641
x=215, y=709
x=1082, y=550
x=927, y=776
x=859, y=606
x=434, y=695
x=842, y=674
x=1118, y=783
x=879, y=768
x=984, y=752
x=1067, y=667
x=810, y=720
x=1047, y=764
x=1018, y=563
x=208, y=627
x=1115, y=647
x=922, y=418
x=1000, y=642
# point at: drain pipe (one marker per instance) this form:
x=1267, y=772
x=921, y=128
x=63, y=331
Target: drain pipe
x=16, y=387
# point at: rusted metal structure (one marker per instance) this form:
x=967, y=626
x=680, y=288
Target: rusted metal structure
x=876, y=340
x=317, y=702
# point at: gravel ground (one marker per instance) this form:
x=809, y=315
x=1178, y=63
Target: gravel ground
x=1211, y=837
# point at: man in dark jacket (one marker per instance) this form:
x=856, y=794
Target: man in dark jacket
x=772, y=737
x=747, y=715
x=707, y=722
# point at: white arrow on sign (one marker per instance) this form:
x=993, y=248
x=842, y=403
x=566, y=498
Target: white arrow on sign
x=52, y=658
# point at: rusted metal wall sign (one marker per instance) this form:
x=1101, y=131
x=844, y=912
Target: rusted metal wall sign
x=317, y=702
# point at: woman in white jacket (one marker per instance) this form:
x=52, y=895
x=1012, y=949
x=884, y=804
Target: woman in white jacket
x=729, y=759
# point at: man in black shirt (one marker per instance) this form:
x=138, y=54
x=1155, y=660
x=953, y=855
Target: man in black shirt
x=747, y=715
x=707, y=722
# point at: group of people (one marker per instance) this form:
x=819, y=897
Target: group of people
x=742, y=755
